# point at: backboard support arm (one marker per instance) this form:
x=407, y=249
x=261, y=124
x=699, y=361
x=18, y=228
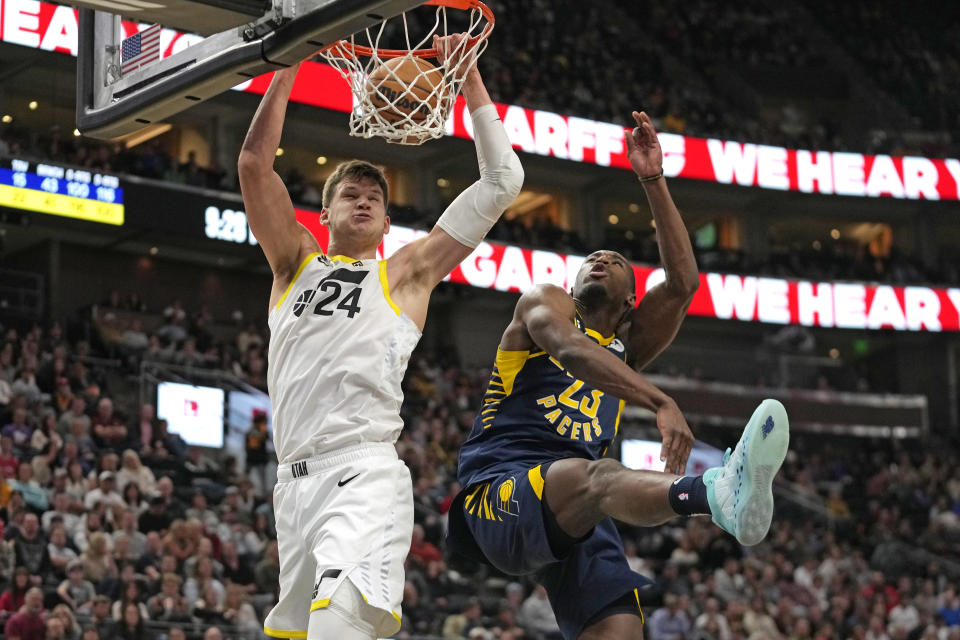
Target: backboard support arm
x=109, y=106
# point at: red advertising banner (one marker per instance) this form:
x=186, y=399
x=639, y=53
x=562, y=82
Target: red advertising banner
x=843, y=305
x=43, y=25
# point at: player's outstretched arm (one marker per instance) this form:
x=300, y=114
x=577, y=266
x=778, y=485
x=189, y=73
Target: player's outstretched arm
x=265, y=197
x=546, y=313
x=656, y=320
x=473, y=213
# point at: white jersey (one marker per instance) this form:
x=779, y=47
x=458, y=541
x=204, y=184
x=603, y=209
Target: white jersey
x=339, y=347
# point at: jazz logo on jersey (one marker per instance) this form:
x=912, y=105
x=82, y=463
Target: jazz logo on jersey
x=505, y=500
x=331, y=290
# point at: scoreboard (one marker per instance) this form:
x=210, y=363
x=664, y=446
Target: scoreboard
x=56, y=190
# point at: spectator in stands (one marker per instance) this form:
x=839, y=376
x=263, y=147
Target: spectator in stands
x=134, y=340
x=68, y=621
x=174, y=505
x=537, y=616
x=109, y=431
x=46, y=434
x=167, y=444
x=249, y=338
x=459, y=625
x=20, y=432
x=422, y=551
x=178, y=542
x=91, y=522
x=950, y=610
x=106, y=494
x=756, y=620
x=712, y=622
x=26, y=383
x=878, y=587
x=77, y=485
x=100, y=617
x=55, y=629
x=61, y=556
x=99, y=566
x=76, y=591
x=83, y=448
x=143, y=431
x=35, y=497
x=8, y=460
x=669, y=622
x=28, y=622
x=199, y=510
x=204, y=551
x=131, y=626
x=235, y=571
x=196, y=586
x=30, y=548
x=127, y=524
x=129, y=594
x=63, y=395
x=191, y=172
x=133, y=499
x=155, y=518
x=904, y=616
x=267, y=572
x=256, y=452
x=13, y=598
x=14, y=511
x=161, y=604
x=173, y=332
x=200, y=464
x=134, y=472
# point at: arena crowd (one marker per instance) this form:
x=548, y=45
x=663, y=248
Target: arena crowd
x=116, y=528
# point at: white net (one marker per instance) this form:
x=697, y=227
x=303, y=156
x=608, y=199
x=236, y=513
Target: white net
x=405, y=95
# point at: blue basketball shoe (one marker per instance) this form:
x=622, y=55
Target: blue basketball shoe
x=740, y=492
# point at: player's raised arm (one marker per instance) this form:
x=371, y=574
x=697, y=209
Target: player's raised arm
x=471, y=215
x=655, y=321
x=546, y=314
x=265, y=197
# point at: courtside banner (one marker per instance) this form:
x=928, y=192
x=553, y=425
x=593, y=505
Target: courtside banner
x=51, y=27
x=844, y=305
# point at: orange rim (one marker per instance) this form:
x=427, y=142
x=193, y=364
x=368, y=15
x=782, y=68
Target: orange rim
x=345, y=49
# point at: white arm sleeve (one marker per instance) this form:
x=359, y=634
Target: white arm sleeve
x=477, y=209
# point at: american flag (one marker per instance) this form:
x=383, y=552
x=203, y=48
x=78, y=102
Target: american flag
x=140, y=49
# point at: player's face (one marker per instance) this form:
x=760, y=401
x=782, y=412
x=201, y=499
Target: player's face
x=605, y=272
x=357, y=210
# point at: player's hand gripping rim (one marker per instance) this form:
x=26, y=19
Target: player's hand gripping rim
x=677, y=438
x=453, y=55
x=643, y=148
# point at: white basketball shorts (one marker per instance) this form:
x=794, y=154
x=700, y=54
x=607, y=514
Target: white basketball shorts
x=343, y=515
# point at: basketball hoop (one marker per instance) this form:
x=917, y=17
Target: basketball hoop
x=397, y=94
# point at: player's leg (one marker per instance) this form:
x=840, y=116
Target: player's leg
x=581, y=493
x=359, y=544
x=621, y=625
x=288, y=618
x=346, y=617
x=593, y=591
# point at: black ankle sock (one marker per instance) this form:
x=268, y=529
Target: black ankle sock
x=688, y=496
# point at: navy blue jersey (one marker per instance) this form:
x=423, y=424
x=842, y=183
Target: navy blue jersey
x=534, y=411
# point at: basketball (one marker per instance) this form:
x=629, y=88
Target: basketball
x=405, y=87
